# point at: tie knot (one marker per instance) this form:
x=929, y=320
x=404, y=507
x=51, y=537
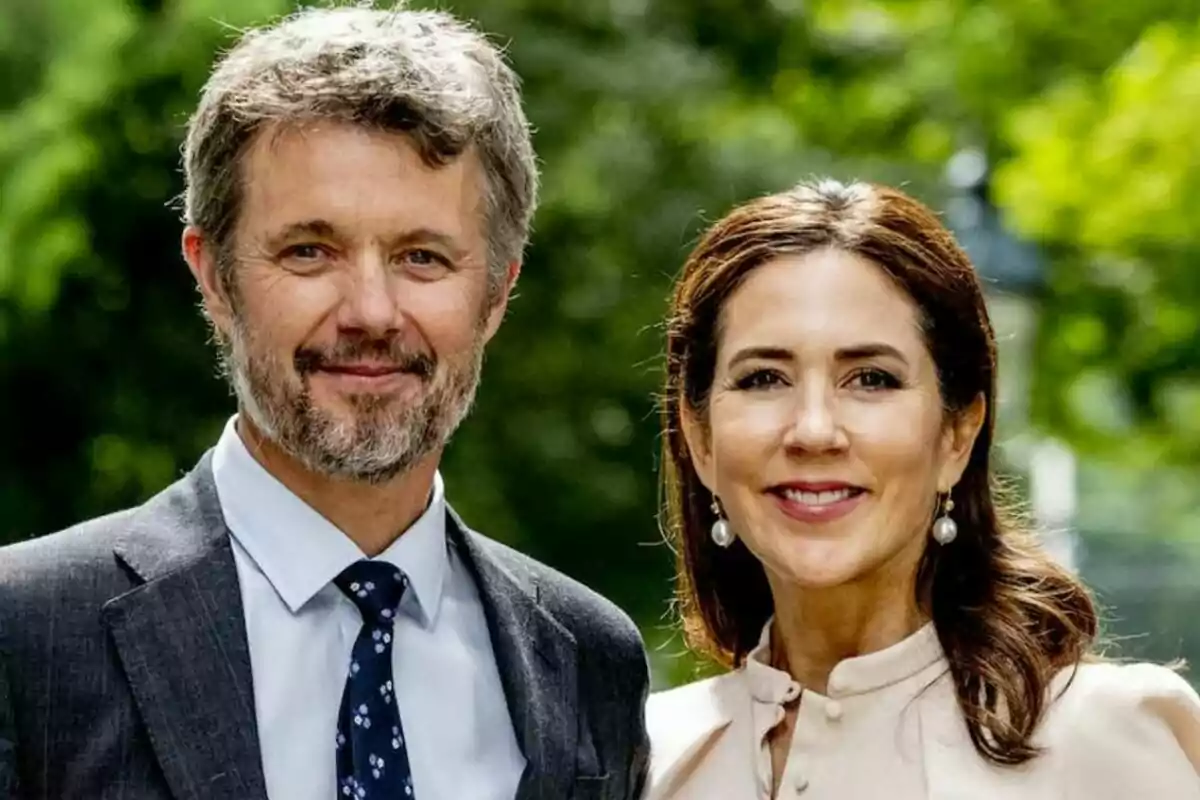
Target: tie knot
x=376, y=587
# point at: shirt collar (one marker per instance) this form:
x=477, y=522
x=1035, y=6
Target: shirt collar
x=851, y=676
x=300, y=552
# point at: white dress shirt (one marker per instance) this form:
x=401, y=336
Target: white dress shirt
x=301, y=630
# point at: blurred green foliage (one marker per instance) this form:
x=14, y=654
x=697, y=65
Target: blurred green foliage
x=652, y=116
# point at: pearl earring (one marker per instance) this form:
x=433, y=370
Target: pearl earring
x=945, y=529
x=722, y=534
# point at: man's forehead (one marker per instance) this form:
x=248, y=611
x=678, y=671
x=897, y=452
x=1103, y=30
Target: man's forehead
x=355, y=179
x=296, y=140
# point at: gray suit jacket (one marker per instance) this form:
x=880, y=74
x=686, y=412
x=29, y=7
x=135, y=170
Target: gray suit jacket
x=125, y=670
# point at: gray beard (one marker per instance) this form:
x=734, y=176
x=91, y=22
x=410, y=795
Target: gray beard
x=381, y=440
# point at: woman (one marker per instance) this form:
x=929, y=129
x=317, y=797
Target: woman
x=892, y=633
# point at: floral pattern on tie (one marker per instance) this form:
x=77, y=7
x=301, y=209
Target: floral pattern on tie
x=372, y=757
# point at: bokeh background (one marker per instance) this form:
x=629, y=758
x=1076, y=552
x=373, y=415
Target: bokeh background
x=1060, y=138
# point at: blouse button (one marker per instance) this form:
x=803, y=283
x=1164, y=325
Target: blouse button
x=801, y=784
x=833, y=710
x=793, y=691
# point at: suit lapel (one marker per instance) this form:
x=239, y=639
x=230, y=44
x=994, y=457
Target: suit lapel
x=536, y=658
x=181, y=638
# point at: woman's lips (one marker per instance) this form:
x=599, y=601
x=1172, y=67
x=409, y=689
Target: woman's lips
x=814, y=503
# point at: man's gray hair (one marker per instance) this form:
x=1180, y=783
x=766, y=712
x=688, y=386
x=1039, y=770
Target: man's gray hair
x=423, y=73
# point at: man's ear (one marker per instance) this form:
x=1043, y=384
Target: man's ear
x=699, y=442
x=958, y=440
x=498, y=297
x=201, y=258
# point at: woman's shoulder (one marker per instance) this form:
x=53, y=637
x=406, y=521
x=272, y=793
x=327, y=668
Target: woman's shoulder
x=678, y=718
x=1115, y=688
x=681, y=721
x=683, y=705
x=1132, y=725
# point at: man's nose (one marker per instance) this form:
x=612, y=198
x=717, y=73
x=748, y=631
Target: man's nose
x=369, y=303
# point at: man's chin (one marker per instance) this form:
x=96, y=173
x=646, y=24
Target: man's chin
x=371, y=474
x=359, y=454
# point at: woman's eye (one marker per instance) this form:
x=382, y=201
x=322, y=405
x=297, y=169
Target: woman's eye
x=761, y=379
x=874, y=379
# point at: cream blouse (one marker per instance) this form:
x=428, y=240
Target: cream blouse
x=890, y=727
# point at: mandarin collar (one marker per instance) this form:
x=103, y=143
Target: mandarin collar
x=858, y=675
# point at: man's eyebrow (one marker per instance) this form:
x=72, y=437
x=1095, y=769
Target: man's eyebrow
x=429, y=236
x=319, y=228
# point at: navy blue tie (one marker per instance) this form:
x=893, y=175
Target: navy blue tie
x=372, y=755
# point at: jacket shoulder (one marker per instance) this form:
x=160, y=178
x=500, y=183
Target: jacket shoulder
x=53, y=587
x=592, y=618
x=82, y=562
x=72, y=555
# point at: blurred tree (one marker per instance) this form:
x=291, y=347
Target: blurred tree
x=104, y=365
x=1108, y=171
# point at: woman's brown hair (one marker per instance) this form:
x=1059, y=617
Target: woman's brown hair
x=1008, y=617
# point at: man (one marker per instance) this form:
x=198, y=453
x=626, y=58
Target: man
x=302, y=616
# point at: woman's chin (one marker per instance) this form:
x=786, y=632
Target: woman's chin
x=823, y=564
x=826, y=569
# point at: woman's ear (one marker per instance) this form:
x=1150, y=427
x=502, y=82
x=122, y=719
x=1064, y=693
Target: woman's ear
x=699, y=442
x=959, y=439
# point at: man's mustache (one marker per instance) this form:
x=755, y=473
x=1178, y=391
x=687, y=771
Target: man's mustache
x=387, y=353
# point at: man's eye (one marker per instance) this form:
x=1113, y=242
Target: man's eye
x=304, y=252
x=419, y=257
